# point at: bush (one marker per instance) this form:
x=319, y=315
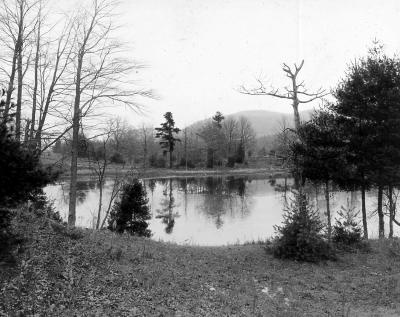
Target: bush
x=6, y=235
x=190, y=164
x=117, y=158
x=131, y=212
x=301, y=235
x=156, y=161
x=42, y=207
x=210, y=158
x=231, y=161
x=240, y=154
x=347, y=231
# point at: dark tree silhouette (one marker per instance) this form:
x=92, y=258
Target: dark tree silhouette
x=21, y=177
x=131, y=212
x=167, y=133
x=368, y=110
x=218, y=118
x=319, y=154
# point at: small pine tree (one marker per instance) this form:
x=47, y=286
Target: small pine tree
x=347, y=231
x=300, y=237
x=131, y=212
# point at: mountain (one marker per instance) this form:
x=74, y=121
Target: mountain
x=268, y=122
x=264, y=122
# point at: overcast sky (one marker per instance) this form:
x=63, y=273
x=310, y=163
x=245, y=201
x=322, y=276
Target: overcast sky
x=199, y=52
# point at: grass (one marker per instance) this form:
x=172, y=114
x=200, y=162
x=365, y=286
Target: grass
x=61, y=272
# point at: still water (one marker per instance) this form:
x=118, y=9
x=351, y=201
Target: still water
x=209, y=210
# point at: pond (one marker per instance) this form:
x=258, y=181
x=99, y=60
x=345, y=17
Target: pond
x=210, y=210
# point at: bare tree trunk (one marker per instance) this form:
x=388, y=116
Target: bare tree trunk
x=100, y=205
x=144, y=147
x=11, y=84
x=380, y=213
x=328, y=210
x=26, y=132
x=185, y=147
x=114, y=193
x=170, y=158
x=74, y=149
x=35, y=85
x=19, y=95
x=295, y=99
x=364, y=212
x=391, y=211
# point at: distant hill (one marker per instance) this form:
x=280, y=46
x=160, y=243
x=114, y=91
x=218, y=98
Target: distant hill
x=264, y=122
x=268, y=122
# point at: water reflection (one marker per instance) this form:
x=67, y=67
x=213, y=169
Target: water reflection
x=166, y=212
x=209, y=210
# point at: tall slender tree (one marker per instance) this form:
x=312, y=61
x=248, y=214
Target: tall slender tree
x=167, y=133
x=99, y=75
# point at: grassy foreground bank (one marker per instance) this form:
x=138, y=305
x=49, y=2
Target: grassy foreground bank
x=87, y=273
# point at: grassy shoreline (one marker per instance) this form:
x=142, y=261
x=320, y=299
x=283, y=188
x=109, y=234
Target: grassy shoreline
x=61, y=272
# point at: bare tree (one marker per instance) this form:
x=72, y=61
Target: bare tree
x=53, y=83
x=144, y=137
x=246, y=133
x=99, y=75
x=100, y=161
x=16, y=25
x=230, y=129
x=296, y=92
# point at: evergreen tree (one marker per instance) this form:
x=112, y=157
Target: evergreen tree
x=131, y=212
x=319, y=154
x=300, y=235
x=368, y=113
x=218, y=118
x=21, y=177
x=167, y=133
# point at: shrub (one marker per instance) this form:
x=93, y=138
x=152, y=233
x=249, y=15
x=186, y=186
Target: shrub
x=231, y=161
x=131, y=212
x=347, y=231
x=156, y=161
x=210, y=158
x=117, y=158
x=394, y=248
x=41, y=206
x=301, y=235
x=182, y=163
x=240, y=154
x=6, y=235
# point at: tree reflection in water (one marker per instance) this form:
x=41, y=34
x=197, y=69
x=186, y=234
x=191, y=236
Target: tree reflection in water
x=166, y=213
x=284, y=188
x=83, y=188
x=222, y=194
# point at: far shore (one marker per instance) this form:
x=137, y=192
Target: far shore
x=118, y=170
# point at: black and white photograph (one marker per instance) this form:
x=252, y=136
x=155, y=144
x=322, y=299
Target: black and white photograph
x=200, y=158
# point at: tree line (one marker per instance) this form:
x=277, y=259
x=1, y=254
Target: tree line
x=215, y=142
